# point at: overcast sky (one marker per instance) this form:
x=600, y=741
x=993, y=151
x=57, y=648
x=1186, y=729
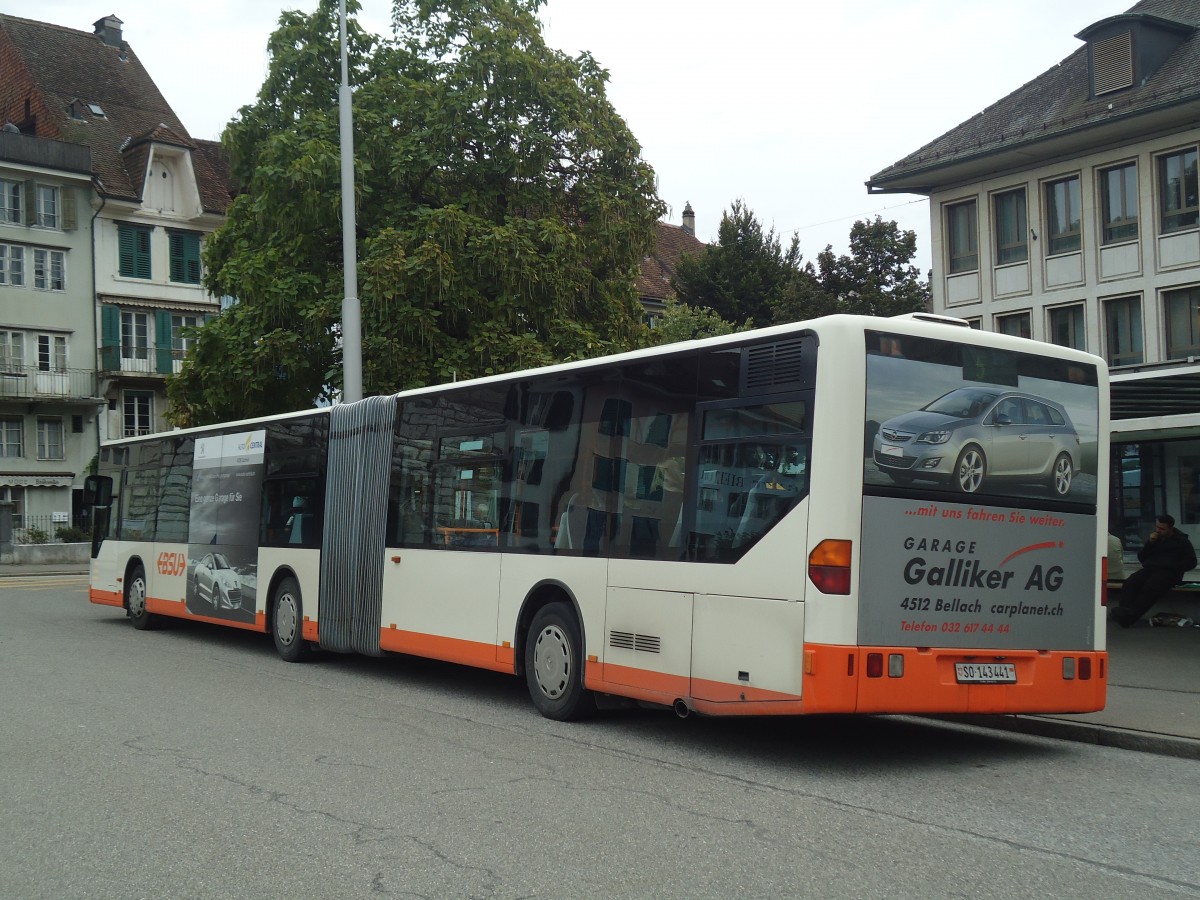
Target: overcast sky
x=790, y=105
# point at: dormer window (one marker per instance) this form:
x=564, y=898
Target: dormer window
x=1112, y=63
x=1126, y=50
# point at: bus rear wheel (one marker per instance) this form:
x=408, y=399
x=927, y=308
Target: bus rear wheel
x=135, y=600
x=287, y=622
x=554, y=664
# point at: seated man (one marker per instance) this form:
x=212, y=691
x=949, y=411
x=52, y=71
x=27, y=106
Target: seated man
x=1165, y=557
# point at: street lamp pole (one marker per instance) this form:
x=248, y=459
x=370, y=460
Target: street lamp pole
x=351, y=310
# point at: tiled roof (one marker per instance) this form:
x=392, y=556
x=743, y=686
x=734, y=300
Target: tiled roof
x=67, y=65
x=1059, y=101
x=671, y=243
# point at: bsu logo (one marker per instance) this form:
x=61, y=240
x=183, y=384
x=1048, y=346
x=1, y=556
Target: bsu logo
x=172, y=563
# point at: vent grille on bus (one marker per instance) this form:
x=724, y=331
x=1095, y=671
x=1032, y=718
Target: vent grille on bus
x=627, y=640
x=774, y=366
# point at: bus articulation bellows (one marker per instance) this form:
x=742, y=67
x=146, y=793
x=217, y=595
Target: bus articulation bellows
x=844, y=515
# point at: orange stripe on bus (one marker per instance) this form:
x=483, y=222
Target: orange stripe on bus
x=107, y=598
x=455, y=650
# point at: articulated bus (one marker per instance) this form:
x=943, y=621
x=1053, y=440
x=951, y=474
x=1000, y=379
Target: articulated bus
x=848, y=515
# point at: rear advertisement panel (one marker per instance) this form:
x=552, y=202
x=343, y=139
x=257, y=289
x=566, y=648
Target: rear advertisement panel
x=979, y=506
x=954, y=575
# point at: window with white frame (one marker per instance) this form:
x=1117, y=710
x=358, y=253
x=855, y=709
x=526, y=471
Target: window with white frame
x=52, y=352
x=15, y=496
x=12, y=351
x=180, y=345
x=962, y=237
x=50, y=437
x=49, y=269
x=1119, y=203
x=49, y=214
x=12, y=264
x=1012, y=231
x=135, y=335
x=10, y=201
x=11, y=437
x=1183, y=322
x=137, y=412
x=1123, y=331
x=1063, y=217
x=1066, y=326
x=1016, y=324
x=1178, y=198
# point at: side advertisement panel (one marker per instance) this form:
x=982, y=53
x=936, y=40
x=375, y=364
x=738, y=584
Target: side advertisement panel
x=958, y=575
x=223, y=526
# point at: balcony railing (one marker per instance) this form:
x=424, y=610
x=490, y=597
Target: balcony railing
x=143, y=361
x=35, y=383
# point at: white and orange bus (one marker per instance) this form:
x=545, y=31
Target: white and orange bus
x=844, y=515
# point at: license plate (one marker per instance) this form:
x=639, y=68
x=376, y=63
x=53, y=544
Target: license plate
x=891, y=451
x=985, y=673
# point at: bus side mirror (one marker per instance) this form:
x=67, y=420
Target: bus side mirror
x=97, y=491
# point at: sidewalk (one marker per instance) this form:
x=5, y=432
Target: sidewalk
x=1153, y=688
x=1153, y=696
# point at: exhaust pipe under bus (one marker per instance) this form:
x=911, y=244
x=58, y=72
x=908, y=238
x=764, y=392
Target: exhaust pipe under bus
x=681, y=708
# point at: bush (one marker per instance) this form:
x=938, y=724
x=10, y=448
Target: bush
x=36, y=536
x=73, y=534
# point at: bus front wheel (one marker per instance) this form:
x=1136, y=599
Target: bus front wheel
x=287, y=618
x=554, y=664
x=135, y=600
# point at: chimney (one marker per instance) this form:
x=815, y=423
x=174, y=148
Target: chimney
x=108, y=30
x=689, y=220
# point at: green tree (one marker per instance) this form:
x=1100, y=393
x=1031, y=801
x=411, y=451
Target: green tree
x=876, y=278
x=682, y=322
x=746, y=274
x=502, y=211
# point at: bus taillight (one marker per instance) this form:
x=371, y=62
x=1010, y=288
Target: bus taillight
x=829, y=566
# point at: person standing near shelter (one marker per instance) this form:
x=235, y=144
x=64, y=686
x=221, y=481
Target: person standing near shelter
x=1165, y=557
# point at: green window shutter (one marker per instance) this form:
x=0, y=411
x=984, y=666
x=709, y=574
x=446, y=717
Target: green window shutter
x=185, y=257
x=110, y=338
x=30, y=202
x=162, y=342
x=68, y=208
x=133, y=246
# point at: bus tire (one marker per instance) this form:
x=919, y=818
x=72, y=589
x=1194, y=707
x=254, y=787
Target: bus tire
x=554, y=664
x=1061, y=475
x=287, y=622
x=970, y=469
x=135, y=600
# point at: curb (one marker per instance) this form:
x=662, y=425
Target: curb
x=1086, y=733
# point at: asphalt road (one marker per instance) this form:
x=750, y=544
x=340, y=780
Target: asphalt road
x=191, y=762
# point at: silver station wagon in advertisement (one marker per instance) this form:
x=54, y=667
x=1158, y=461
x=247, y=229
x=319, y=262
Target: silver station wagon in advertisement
x=974, y=434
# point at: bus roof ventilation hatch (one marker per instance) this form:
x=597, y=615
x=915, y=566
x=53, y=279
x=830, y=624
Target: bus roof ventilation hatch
x=934, y=317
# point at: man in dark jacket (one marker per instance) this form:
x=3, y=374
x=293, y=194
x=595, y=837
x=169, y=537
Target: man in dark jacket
x=1165, y=557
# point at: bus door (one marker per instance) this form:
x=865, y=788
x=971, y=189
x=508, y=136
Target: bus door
x=437, y=604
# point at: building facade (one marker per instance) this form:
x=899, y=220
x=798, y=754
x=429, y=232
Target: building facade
x=1068, y=212
x=107, y=204
x=49, y=401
